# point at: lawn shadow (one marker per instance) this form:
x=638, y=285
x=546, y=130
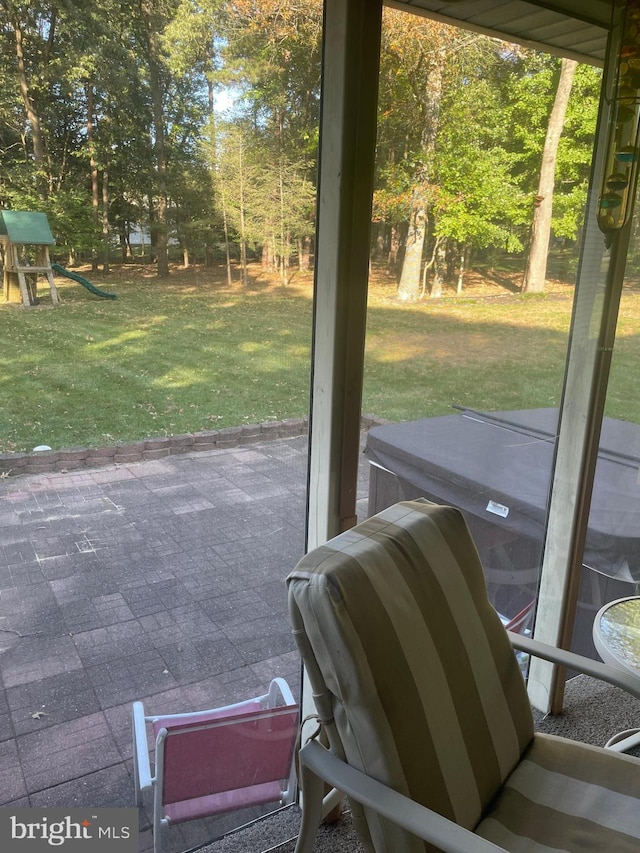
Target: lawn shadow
x=510, y=281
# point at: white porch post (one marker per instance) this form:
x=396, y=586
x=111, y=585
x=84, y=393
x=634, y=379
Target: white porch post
x=350, y=67
x=351, y=59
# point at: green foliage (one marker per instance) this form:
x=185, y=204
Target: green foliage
x=575, y=153
x=531, y=95
x=478, y=176
x=461, y=123
x=481, y=203
x=89, y=88
x=273, y=59
x=237, y=175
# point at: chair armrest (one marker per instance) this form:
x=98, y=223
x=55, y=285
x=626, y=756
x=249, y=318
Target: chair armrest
x=279, y=685
x=141, y=748
x=602, y=671
x=426, y=824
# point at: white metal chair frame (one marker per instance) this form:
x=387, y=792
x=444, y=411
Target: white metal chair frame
x=279, y=699
x=319, y=767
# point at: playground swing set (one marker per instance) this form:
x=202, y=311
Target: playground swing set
x=25, y=238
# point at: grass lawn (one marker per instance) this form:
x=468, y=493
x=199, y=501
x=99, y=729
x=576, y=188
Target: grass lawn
x=192, y=354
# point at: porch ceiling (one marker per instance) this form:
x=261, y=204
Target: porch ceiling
x=572, y=28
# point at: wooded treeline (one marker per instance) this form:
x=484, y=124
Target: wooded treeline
x=109, y=123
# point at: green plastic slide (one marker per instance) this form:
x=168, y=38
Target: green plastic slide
x=83, y=281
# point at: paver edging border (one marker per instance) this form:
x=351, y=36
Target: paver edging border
x=76, y=458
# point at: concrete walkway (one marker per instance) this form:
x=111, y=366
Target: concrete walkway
x=162, y=581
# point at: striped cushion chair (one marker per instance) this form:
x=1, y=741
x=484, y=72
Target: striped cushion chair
x=417, y=687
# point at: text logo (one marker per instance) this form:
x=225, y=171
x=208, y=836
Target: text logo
x=72, y=830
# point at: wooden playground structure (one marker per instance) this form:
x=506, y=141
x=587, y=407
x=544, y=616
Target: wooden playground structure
x=25, y=238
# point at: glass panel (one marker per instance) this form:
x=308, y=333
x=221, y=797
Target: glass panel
x=153, y=445
x=158, y=580
x=467, y=370
x=612, y=552
x=494, y=465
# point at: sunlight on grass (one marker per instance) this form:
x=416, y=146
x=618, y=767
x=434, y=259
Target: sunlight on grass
x=179, y=378
x=163, y=359
x=179, y=357
x=124, y=339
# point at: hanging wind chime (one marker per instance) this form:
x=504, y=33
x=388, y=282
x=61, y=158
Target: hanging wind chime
x=621, y=166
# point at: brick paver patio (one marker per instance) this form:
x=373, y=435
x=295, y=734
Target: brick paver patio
x=161, y=580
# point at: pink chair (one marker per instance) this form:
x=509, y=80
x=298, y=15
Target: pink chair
x=519, y=623
x=217, y=761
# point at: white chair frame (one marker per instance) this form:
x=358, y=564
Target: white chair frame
x=319, y=767
x=279, y=696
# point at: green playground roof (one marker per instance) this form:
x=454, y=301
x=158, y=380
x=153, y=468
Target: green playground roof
x=26, y=227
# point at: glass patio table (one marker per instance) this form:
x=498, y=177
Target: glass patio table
x=616, y=636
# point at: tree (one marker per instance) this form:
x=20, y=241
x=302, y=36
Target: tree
x=192, y=40
x=116, y=111
x=420, y=47
x=535, y=273
x=153, y=19
x=273, y=60
x=285, y=216
x=76, y=64
x=425, y=64
x=575, y=154
x=104, y=107
x=17, y=19
x=479, y=203
x=237, y=180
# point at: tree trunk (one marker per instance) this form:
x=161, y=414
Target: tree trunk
x=535, y=273
x=93, y=167
x=286, y=258
x=465, y=252
x=243, y=238
x=33, y=119
x=439, y=265
x=267, y=259
x=409, y=286
x=106, y=201
x=430, y=96
x=394, y=248
x=305, y=252
x=284, y=236
x=379, y=244
x=243, y=262
x=225, y=227
x=157, y=92
x=153, y=233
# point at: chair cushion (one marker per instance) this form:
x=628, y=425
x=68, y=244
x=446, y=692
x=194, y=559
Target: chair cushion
x=422, y=682
x=551, y=795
